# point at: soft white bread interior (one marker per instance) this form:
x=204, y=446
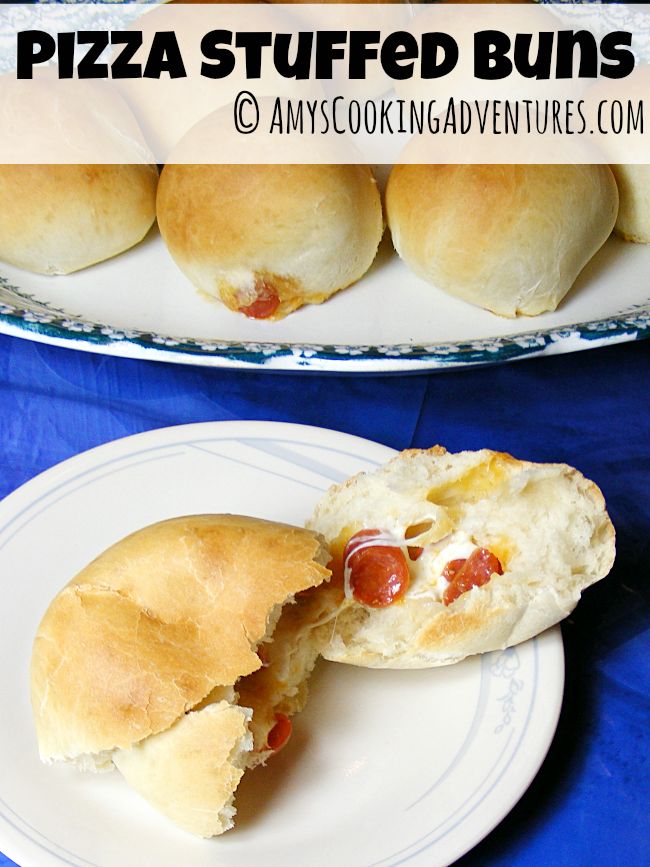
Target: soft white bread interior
x=139, y=660
x=279, y=687
x=266, y=239
x=56, y=219
x=633, y=221
x=546, y=524
x=509, y=238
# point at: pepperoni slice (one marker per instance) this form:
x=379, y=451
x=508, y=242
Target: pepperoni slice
x=357, y=540
x=452, y=568
x=473, y=572
x=280, y=733
x=379, y=574
x=265, y=304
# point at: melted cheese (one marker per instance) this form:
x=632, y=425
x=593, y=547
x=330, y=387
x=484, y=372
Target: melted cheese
x=431, y=583
x=476, y=484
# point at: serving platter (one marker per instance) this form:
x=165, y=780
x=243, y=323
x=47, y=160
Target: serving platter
x=139, y=305
x=384, y=767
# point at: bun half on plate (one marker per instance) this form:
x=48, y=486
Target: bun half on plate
x=139, y=661
x=437, y=556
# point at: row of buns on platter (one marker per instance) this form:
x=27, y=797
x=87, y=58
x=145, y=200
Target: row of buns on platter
x=266, y=239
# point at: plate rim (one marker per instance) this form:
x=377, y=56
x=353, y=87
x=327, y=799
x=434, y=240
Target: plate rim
x=22, y=315
x=251, y=429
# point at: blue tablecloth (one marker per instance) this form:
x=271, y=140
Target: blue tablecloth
x=591, y=800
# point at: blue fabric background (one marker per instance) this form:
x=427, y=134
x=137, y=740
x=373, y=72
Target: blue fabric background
x=591, y=800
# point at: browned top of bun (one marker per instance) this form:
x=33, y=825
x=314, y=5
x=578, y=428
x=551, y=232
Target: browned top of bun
x=57, y=219
x=150, y=627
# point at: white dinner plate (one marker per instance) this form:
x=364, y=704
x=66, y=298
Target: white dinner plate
x=140, y=305
x=384, y=767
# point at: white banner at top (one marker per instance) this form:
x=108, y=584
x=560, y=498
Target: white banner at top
x=327, y=83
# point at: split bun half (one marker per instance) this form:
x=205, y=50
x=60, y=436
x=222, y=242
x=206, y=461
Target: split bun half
x=545, y=523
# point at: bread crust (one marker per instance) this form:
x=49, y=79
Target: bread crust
x=56, y=219
x=190, y=771
x=511, y=239
x=302, y=231
x=633, y=221
x=149, y=628
x=547, y=524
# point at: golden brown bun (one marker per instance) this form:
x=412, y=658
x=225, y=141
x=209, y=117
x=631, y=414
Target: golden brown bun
x=135, y=660
x=509, y=238
x=55, y=219
x=546, y=523
x=152, y=625
x=627, y=154
x=301, y=231
x=633, y=222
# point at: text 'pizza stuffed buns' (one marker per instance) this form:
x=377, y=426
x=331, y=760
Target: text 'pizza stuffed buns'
x=157, y=659
x=437, y=556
